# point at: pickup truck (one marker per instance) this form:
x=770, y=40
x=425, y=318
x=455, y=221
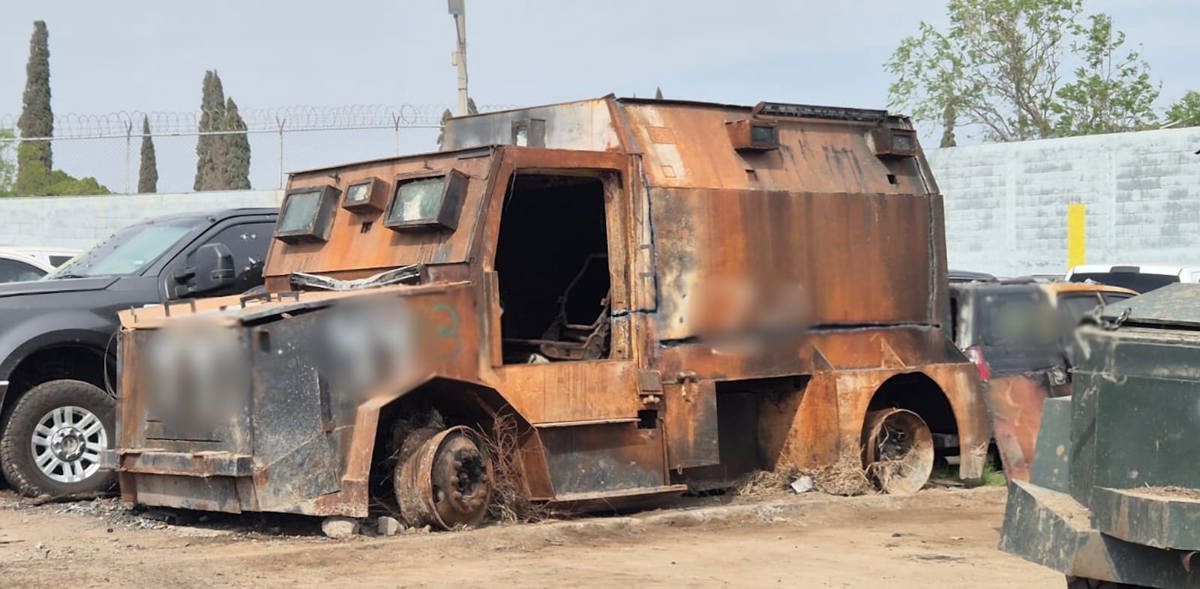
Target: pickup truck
x=57, y=346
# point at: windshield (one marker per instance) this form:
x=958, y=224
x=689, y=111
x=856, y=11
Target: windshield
x=1016, y=318
x=128, y=251
x=1139, y=282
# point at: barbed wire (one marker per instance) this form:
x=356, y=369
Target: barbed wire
x=300, y=117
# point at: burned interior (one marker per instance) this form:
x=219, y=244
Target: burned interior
x=552, y=261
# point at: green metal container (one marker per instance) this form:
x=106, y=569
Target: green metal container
x=1114, y=493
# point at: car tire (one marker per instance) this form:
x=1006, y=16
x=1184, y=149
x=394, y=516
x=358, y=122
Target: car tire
x=54, y=439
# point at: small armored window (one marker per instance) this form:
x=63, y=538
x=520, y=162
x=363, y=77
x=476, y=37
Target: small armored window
x=367, y=196
x=430, y=202
x=307, y=214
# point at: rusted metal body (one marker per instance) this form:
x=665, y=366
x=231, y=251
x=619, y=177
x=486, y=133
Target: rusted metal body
x=1018, y=333
x=763, y=294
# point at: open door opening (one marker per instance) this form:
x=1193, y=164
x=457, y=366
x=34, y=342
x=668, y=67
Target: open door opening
x=552, y=262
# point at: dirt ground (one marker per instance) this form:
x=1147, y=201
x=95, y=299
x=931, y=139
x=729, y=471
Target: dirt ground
x=937, y=538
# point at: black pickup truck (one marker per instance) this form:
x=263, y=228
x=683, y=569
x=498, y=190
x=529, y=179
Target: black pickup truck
x=57, y=345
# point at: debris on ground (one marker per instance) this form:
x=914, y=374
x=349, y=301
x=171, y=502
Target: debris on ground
x=803, y=484
x=339, y=527
x=846, y=477
x=766, y=482
x=388, y=526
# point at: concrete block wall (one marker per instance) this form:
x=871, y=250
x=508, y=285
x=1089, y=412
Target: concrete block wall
x=1006, y=203
x=81, y=221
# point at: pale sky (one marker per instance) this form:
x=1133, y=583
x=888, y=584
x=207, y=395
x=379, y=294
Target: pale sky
x=151, y=56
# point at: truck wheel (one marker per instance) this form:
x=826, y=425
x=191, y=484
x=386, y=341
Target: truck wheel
x=54, y=438
x=897, y=450
x=443, y=479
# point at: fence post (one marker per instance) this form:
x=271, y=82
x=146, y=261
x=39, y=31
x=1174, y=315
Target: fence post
x=280, y=123
x=396, y=124
x=128, y=151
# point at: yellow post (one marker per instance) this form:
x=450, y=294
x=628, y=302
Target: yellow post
x=1076, y=234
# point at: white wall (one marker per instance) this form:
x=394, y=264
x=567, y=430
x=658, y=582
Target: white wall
x=1006, y=204
x=81, y=221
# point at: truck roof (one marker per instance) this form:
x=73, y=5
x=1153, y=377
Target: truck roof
x=217, y=214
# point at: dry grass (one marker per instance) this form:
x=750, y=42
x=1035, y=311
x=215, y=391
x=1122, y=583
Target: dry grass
x=766, y=482
x=845, y=477
x=510, y=503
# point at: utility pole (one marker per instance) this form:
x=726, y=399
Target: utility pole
x=458, y=10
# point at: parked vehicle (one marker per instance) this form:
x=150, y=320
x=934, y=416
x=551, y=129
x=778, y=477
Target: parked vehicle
x=961, y=276
x=655, y=294
x=57, y=345
x=1138, y=278
x=1017, y=332
x=1114, y=495
x=19, y=264
x=50, y=256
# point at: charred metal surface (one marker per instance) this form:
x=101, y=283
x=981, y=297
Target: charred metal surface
x=762, y=297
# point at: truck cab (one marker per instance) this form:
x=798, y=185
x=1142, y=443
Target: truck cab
x=58, y=352
x=595, y=304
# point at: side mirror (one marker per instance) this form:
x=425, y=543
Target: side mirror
x=209, y=268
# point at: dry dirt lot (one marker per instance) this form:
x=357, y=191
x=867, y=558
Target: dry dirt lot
x=937, y=538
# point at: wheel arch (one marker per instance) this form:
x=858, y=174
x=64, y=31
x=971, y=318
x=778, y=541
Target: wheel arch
x=462, y=402
x=65, y=356
x=948, y=398
x=919, y=393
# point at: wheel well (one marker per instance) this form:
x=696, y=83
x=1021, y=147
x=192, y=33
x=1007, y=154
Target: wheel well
x=921, y=395
x=56, y=362
x=450, y=401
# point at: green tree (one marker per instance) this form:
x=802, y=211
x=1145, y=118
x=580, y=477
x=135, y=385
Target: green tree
x=209, y=147
x=35, y=174
x=148, y=167
x=997, y=68
x=1184, y=113
x=471, y=108
x=236, y=161
x=8, y=167
x=34, y=158
x=63, y=184
x=1111, y=92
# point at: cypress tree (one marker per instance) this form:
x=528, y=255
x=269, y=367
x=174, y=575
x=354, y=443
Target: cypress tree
x=236, y=162
x=658, y=93
x=34, y=158
x=148, y=169
x=210, y=148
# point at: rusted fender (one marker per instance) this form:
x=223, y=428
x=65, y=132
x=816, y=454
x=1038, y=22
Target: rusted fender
x=1015, y=403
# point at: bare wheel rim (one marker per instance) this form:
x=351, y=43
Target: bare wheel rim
x=67, y=442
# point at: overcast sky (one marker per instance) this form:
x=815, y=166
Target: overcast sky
x=151, y=56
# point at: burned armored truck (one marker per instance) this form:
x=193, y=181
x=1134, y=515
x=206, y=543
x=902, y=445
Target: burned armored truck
x=653, y=295
x=1114, y=495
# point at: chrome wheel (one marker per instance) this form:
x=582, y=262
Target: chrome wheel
x=67, y=442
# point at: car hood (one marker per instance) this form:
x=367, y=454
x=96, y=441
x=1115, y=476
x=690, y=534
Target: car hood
x=57, y=285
